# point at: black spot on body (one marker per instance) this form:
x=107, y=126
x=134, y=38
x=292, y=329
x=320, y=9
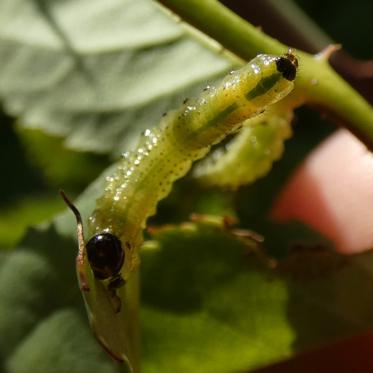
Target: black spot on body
x=287, y=67
x=105, y=255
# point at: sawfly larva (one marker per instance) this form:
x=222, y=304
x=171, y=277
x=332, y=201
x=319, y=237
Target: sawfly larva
x=106, y=264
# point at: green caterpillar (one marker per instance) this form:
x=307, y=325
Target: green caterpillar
x=107, y=263
x=251, y=153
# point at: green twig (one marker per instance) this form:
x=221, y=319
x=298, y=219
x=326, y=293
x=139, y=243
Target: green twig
x=317, y=84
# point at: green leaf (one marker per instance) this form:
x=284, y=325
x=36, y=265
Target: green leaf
x=208, y=304
x=60, y=343
x=41, y=312
x=15, y=220
x=98, y=73
x=213, y=308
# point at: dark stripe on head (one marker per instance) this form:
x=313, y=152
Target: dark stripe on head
x=263, y=86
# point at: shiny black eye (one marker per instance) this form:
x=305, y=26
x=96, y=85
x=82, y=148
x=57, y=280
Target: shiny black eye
x=105, y=255
x=287, y=67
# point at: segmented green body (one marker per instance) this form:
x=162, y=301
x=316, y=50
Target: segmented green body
x=164, y=154
x=251, y=153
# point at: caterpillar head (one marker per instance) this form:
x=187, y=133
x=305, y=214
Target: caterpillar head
x=287, y=65
x=105, y=258
x=105, y=255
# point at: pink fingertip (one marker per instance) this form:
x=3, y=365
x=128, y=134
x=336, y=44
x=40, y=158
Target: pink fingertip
x=332, y=191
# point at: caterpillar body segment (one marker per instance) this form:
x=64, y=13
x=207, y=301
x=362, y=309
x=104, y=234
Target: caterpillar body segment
x=250, y=155
x=107, y=261
x=164, y=154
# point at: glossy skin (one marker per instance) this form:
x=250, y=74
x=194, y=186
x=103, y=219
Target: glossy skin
x=110, y=258
x=105, y=255
x=164, y=154
x=252, y=152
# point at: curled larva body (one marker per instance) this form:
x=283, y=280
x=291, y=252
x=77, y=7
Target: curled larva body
x=251, y=153
x=164, y=154
x=106, y=263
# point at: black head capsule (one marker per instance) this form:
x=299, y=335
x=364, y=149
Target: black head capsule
x=287, y=66
x=105, y=255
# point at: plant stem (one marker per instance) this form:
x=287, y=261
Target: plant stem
x=317, y=84
x=221, y=24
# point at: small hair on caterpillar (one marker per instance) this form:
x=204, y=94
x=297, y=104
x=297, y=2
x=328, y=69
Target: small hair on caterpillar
x=145, y=175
